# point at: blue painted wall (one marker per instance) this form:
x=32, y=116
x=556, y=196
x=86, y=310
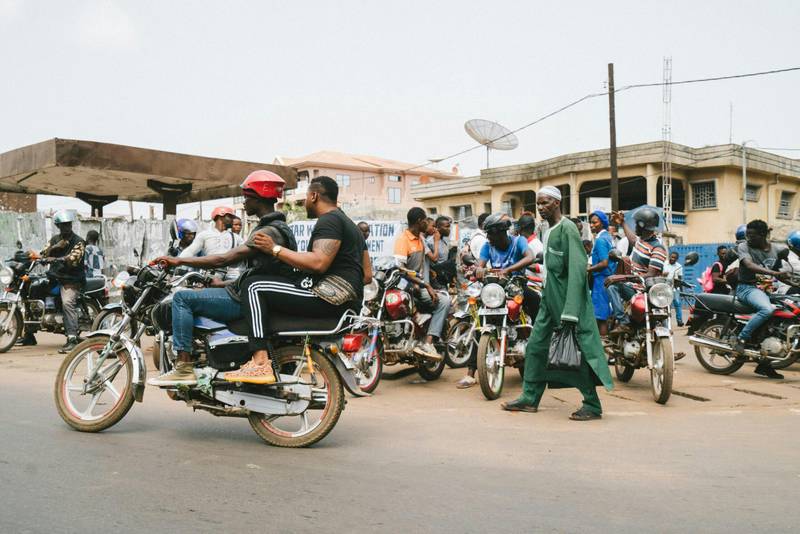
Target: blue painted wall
x=708, y=255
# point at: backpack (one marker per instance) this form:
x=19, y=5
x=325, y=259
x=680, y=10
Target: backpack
x=706, y=280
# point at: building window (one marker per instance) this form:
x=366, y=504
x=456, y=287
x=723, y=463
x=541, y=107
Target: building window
x=461, y=212
x=433, y=211
x=704, y=195
x=371, y=179
x=785, y=208
x=753, y=192
x=395, y=178
x=415, y=181
x=394, y=195
x=508, y=207
x=487, y=207
x=316, y=173
x=343, y=180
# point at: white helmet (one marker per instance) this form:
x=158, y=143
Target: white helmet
x=64, y=216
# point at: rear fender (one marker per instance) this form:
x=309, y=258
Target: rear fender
x=350, y=382
x=114, y=306
x=137, y=359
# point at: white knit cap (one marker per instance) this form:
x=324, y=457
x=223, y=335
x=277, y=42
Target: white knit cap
x=550, y=191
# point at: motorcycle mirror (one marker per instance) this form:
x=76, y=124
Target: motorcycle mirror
x=691, y=259
x=468, y=260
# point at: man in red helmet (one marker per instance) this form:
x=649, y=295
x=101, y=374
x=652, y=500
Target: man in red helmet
x=261, y=190
x=217, y=240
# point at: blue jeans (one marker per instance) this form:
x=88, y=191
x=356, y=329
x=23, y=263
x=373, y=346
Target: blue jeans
x=618, y=293
x=215, y=303
x=755, y=298
x=439, y=313
x=678, y=305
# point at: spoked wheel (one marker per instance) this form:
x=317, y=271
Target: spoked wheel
x=99, y=404
x=715, y=361
x=369, y=378
x=459, y=346
x=490, y=369
x=10, y=329
x=88, y=313
x=108, y=319
x=327, y=402
x=430, y=369
x=662, y=371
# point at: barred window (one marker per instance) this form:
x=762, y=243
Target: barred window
x=461, y=212
x=752, y=192
x=785, y=208
x=704, y=195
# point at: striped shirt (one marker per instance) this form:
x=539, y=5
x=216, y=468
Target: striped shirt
x=646, y=254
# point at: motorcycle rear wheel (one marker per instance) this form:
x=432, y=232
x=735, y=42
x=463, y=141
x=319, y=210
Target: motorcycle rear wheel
x=430, y=369
x=457, y=353
x=716, y=362
x=298, y=431
x=9, y=338
x=663, y=370
x=491, y=380
x=107, y=319
x=623, y=371
x=69, y=381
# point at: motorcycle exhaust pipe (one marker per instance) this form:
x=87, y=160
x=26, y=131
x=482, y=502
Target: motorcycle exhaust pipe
x=714, y=344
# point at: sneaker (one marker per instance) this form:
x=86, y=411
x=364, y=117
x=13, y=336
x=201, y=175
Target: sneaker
x=466, y=382
x=765, y=369
x=72, y=342
x=680, y=324
x=427, y=350
x=250, y=373
x=183, y=373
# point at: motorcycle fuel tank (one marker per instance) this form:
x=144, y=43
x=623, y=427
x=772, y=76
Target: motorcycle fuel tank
x=638, y=306
x=397, y=304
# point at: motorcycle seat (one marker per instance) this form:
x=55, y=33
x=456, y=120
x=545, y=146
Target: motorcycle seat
x=295, y=325
x=722, y=303
x=94, y=284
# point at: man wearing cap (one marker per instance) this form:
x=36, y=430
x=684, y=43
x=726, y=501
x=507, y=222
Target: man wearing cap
x=565, y=300
x=217, y=240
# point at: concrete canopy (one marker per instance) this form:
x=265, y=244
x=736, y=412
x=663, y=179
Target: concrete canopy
x=100, y=173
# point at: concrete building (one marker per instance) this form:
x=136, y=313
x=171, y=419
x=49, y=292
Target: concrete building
x=368, y=185
x=707, y=196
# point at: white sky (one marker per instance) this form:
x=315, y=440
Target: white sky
x=250, y=80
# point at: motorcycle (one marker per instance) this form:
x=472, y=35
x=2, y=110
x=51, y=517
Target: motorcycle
x=649, y=344
x=101, y=378
x=717, y=321
x=504, y=331
x=32, y=301
x=462, y=339
x=389, y=328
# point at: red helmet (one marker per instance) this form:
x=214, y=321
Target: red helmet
x=263, y=184
x=221, y=211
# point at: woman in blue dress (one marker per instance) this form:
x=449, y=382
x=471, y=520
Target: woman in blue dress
x=601, y=268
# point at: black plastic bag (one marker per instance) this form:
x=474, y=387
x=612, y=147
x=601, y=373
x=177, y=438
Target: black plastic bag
x=565, y=354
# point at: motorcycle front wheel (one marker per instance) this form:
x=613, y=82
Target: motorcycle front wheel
x=457, y=349
x=490, y=375
x=322, y=414
x=662, y=371
x=430, y=369
x=10, y=333
x=108, y=319
x=714, y=361
x=108, y=397
x=623, y=371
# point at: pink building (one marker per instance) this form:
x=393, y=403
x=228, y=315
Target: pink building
x=367, y=184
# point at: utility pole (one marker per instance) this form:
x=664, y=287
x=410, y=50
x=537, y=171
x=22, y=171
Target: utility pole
x=612, y=123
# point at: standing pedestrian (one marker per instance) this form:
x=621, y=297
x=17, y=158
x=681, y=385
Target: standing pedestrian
x=601, y=268
x=94, y=259
x=674, y=273
x=565, y=300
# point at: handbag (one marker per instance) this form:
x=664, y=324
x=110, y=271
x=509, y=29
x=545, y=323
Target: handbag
x=334, y=289
x=565, y=354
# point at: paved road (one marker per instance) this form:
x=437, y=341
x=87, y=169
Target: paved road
x=420, y=457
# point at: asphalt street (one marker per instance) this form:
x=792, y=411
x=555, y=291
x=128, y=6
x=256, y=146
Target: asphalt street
x=421, y=457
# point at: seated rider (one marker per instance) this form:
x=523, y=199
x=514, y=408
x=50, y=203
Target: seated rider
x=328, y=278
x=757, y=256
x=217, y=240
x=510, y=254
x=261, y=190
x=411, y=251
x=187, y=230
x=791, y=265
x=647, y=261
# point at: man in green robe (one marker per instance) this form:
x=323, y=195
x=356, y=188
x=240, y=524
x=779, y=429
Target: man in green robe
x=565, y=299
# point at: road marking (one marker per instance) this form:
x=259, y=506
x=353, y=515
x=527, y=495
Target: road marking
x=625, y=414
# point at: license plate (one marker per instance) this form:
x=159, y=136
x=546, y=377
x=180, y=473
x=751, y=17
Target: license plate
x=493, y=311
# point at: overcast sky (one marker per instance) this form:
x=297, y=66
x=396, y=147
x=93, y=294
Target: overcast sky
x=251, y=80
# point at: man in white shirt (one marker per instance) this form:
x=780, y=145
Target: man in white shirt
x=478, y=239
x=674, y=273
x=217, y=240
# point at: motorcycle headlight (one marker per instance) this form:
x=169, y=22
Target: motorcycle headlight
x=474, y=289
x=493, y=296
x=370, y=291
x=660, y=295
x=6, y=276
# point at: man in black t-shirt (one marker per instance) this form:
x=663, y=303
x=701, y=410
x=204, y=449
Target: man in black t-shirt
x=331, y=277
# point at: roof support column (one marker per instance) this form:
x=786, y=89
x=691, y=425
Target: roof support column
x=652, y=174
x=97, y=202
x=574, y=197
x=170, y=194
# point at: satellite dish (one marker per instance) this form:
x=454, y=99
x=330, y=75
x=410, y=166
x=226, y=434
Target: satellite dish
x=491, y=135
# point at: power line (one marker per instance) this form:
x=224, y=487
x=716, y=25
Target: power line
x=621, y=89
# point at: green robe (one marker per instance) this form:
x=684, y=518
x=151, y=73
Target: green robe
x=566, y=297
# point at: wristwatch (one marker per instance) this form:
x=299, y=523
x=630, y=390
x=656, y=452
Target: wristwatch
x=276, y=250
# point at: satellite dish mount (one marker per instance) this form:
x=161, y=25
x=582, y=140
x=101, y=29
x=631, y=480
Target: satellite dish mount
x=492, y=135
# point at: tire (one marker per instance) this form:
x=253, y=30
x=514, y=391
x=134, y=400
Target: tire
x=368, y=385
x=663, y=370
x=9, y=338
x=785, y=363
x=65, y=377
x=93, y=309
x=105, y=316
x=430, y=370
x=623, y=371
x=491, y=381
x=454, y=357
x=290, y=357
x=715, y=363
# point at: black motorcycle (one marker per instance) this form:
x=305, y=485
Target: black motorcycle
x=32, y=301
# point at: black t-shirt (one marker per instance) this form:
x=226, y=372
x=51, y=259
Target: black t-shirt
x=720, y=288
x=348, y=261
